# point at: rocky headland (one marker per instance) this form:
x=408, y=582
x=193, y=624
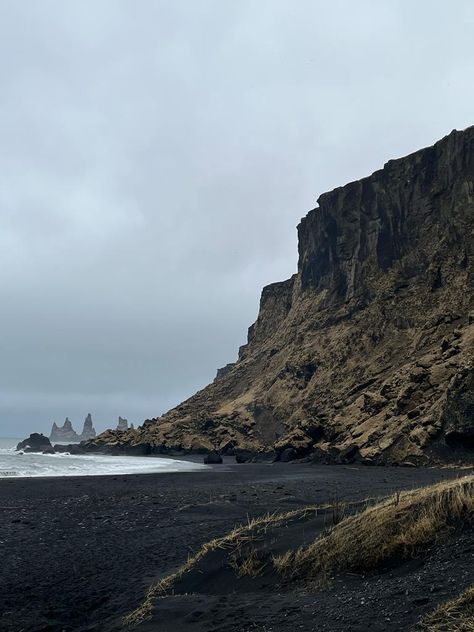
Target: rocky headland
x=366, y=353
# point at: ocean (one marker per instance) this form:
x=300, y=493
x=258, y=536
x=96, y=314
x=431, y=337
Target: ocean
x=14, y=464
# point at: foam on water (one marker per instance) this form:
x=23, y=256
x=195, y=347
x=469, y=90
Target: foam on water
x=14, y=464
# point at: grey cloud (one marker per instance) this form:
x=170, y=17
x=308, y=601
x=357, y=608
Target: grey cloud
x=155, y=158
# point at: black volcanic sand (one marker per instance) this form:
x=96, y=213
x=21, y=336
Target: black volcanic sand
x=79, y=553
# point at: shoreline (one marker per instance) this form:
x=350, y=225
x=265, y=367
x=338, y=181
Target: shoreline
x=227, y=462
x=18, y=466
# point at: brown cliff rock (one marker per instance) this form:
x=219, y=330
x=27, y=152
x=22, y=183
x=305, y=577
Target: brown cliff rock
x=368, y=347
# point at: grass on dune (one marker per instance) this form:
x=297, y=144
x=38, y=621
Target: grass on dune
x=246, y=564
x=397, y=527
x=456, y=615
x=232, y=542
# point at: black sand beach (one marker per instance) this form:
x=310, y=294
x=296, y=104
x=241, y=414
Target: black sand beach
x=78, y=554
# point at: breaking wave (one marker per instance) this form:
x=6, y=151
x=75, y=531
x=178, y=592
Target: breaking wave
x=14, y=464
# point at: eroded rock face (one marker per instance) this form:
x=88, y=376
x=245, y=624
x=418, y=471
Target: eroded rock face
x=366, y=350
x=64, y=433
x=223, y=371
x=458, y=413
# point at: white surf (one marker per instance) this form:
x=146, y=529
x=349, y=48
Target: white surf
x=13, y=464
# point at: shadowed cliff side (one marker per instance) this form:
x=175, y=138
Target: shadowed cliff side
x=365, y=353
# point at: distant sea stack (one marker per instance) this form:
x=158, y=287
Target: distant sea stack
x=122, y=424
x=366, y=354
x=88, y=431
x=64, y=433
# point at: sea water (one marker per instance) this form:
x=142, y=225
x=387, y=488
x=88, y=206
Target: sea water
x=15, y=464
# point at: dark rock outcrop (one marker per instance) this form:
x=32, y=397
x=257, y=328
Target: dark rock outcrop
x=370, y=343
x=64, y=433
x=212, y=458
x=81, y=448
x=244, y=456
x=137, y=449
x=288, y=454
x=36, y=442
x=458, y=414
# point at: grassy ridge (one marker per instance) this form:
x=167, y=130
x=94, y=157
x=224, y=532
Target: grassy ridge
x=456, y=615
x=397, y=527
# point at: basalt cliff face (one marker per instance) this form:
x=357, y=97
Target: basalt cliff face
x=367, y=352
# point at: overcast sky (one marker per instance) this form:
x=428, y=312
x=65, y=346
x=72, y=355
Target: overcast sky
x=155, y=158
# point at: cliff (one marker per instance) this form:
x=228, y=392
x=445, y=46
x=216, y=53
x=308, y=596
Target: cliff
x=366, y=351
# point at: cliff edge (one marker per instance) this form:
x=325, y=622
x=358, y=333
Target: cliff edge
x=367, y=352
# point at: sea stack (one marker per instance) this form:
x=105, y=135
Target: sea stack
x=122, y=424
x=64, y=433
x=88, y=431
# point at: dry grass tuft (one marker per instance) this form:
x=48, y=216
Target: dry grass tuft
x=232, y=541
x=246, y=564
x=396, y=527
x=456, y=615
x=283, y=562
